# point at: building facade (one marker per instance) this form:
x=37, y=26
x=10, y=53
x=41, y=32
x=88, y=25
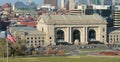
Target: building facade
x=108, y=2
x=113, y=35
x=28, y=36
x=116, y=16
x=72, y=28
x=52, y=2
x=71, y=5
x=62, y=4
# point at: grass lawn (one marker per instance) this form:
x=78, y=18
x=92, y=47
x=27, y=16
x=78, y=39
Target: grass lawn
x=63, y=59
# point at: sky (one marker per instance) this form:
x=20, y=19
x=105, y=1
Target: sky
x=40, y=2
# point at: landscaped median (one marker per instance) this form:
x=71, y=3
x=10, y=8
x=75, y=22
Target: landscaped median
x=63, y=59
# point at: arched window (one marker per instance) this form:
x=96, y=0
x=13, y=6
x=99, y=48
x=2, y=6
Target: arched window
x=76, y=35
x=60, y=35
x=92, y=35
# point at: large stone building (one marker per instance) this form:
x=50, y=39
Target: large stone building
x=72, y=28
x=29, y=36
x=113, y=35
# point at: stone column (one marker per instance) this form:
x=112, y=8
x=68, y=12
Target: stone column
x=70, y=36
x=86, y=32
x=68, y=31
x=83, y=36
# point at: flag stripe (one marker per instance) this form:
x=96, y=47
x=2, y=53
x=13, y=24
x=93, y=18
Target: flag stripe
x=10, y=37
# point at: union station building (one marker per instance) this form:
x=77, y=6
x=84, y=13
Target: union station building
x=80, y=29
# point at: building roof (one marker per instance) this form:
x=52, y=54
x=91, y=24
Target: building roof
x=22, y=28
x=113, y=30
x=73, y=19
x=29, y=31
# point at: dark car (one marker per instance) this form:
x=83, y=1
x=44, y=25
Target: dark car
x=95, y=42
x=63, y=43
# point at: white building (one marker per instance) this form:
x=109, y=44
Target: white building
x=62, y=4
x=71, y=5
x=48, y=7
x=113, y=35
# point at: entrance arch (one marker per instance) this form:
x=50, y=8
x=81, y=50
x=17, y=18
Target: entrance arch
x=92, y=35
x=76, y=36
x=60, y=35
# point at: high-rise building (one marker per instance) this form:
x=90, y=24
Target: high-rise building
x=91, y=1
x=116, y=16
x=102, y=2
x=97, y=2
x=62, y=4
x=71, y=4
x=86, y=2
x=52, y=2
x=113, y=2
x=108, y=2
x=117, y=2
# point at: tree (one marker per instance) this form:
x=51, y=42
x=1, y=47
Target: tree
x=2, y=47
x=20, y=48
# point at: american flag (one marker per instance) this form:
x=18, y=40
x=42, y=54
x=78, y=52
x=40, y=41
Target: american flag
x=10, y=37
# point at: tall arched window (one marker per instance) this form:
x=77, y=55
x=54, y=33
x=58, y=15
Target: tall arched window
x=60, y=35
x=92, y=35
x=76, y=35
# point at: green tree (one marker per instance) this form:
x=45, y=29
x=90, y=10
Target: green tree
x=2, y=47
x=20, y=47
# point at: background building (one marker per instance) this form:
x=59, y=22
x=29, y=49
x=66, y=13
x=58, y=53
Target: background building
x=113, y=35
x=52, y=2
x=71, y=4
x=108, y=2
x=97, y=2
x=116, y=16
x=62, y=4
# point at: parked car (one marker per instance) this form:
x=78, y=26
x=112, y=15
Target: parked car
x=62, y=42
x=95, y=42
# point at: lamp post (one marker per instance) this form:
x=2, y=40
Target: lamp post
x=7, y=51
x=4, y=33
x=7, y=45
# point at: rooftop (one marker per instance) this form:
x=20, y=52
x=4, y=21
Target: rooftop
x=113, y=30
x=29, y=31
x=73, y=19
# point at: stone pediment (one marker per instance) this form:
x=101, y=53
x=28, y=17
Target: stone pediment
x=73, y=19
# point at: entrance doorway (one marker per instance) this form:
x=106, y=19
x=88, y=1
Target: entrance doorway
x=60, y=36
x=76, y=36
x=92, y=35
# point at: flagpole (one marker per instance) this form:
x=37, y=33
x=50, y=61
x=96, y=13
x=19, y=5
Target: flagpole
x=7, y=50
x=7, y=44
